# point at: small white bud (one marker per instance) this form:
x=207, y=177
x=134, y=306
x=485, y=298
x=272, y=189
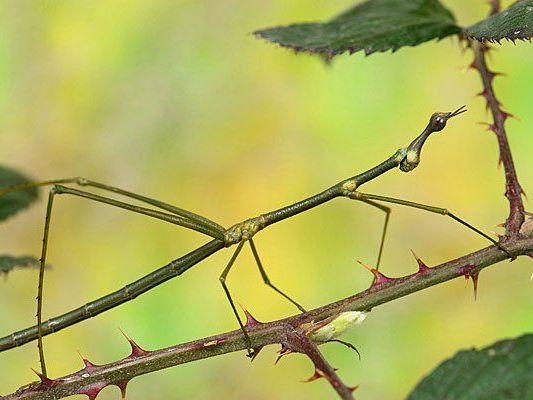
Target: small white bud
x=338, y=326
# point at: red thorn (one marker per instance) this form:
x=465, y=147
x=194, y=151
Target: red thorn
x=136, y=350
x=483, y=93
x=45, y=381
x=92, y=390
x=422, y=267
x=282, y=352
x=353, y=388
x=475, y=277
x=122, y=385
x=87, y=363
x=379, y=278
x=491, y=75
x=507, y=115
x=317, y=375
x=250, y=320
x=473, y=65
x=468, y=272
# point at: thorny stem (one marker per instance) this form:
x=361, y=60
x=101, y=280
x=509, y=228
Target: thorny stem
x=302, y=344
x=513, y=190
x=495, y=7
x=262, y=334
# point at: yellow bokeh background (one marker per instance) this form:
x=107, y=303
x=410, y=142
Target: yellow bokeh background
x=177, y=100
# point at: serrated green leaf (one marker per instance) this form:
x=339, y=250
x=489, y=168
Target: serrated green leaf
x=9, y=263
x=514, y=23
x=501, y=371
x=13, y=202
x=372, y=26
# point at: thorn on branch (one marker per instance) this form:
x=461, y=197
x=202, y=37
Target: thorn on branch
x=317, y=375
x=250, y=320
x=282, y=352
x=422, y=267
x=484, y=93
x=136, y=350
x=123, y=385
x=92, y=390
x=87, y=364
x=379, y=278
x=506, y=115
x=45, y=381
x=469, y=273
x=491, y=75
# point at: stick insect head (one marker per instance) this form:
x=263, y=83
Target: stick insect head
x=438, y=120
x=437, y=123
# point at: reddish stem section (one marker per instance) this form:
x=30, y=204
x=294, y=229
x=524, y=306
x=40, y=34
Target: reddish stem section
x=513, y=190
x=298, y=342
x=495, y=7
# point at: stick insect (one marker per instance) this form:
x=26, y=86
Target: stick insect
x=239, y=234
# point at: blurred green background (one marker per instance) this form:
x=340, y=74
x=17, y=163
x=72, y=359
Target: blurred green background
x=178, y=101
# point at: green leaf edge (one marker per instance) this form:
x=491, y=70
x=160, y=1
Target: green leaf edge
x=329, y=54
x=509, y=36
x=497, y=348
x=32, y=194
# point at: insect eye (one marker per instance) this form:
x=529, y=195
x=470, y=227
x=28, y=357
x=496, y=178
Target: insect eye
x=439, y=123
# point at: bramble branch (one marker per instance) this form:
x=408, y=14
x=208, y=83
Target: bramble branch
x=92, y=378
x=294, y=334
x=513, y=190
